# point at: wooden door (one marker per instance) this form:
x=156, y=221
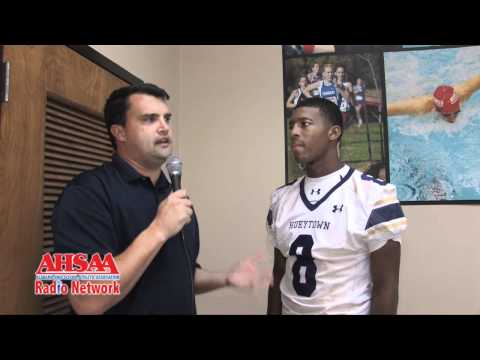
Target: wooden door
x=51, y=129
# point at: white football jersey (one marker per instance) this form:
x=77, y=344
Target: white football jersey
x=327, y=243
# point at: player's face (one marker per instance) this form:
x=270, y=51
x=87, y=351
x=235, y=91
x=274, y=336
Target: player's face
x=328, y=74
x=148, y=136
x=310, y=135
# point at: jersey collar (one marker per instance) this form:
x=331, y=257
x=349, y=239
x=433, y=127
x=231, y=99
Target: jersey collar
x=311, y=206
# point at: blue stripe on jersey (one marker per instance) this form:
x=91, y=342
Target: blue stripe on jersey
x=270, y=218
x=384, y=214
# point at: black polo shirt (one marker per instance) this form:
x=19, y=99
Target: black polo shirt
x=103, y=210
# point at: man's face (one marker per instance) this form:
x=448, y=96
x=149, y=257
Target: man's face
x=148, y=136
x=302, y=82
x=328, y=74
x=340, y=73
x=316, y=68
x=309, y=131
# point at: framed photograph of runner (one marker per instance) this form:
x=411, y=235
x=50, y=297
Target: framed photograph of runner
x=354, y=81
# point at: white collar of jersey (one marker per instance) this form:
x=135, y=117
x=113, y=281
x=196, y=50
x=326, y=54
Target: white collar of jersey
x=311, y=206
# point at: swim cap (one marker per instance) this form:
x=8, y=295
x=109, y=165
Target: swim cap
x=446, y=101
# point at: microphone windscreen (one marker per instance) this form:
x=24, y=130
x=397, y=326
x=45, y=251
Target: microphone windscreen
x=174, y=165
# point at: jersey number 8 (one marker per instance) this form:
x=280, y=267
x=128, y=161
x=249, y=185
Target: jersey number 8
x=304, y=269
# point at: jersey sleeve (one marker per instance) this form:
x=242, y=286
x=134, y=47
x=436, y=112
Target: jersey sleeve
x=386, y=219
x=270, y=221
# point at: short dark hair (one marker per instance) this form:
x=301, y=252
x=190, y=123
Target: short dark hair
x=329, y=109
x=116, y=107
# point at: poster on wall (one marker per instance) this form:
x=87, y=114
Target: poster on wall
x=297, y=50
x=354, y=81
x=433, y=108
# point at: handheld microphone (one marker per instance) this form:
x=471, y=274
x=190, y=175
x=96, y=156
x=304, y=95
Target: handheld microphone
x=174, y=168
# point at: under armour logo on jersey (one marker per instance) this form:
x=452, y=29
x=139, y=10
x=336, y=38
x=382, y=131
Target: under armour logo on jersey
x=315, y=191
x=336, y=208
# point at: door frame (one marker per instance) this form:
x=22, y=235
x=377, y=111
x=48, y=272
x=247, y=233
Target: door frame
x=101, y=60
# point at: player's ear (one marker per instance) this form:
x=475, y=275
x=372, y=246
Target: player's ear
x=334, y=133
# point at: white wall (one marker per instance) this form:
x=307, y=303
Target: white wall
x=441, y=260
x=232, y=148
x=157, y=64
x=231, y=141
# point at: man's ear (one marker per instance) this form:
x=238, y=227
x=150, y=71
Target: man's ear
x=334, y=133
x=118, y=132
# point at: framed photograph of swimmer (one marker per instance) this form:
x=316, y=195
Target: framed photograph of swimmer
x=433, y=109
x=355, y=83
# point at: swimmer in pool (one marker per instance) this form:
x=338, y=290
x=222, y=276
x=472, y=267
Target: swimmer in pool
x=446, y=100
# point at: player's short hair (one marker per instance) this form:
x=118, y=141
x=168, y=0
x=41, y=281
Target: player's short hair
x=327, y=108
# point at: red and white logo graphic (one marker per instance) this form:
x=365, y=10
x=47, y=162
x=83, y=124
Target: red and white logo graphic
x=83, y=274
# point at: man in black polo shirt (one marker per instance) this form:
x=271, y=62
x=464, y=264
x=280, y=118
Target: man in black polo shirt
x=126, y=208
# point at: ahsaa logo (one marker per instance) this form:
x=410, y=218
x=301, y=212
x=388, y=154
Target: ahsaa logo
x=80, y=271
